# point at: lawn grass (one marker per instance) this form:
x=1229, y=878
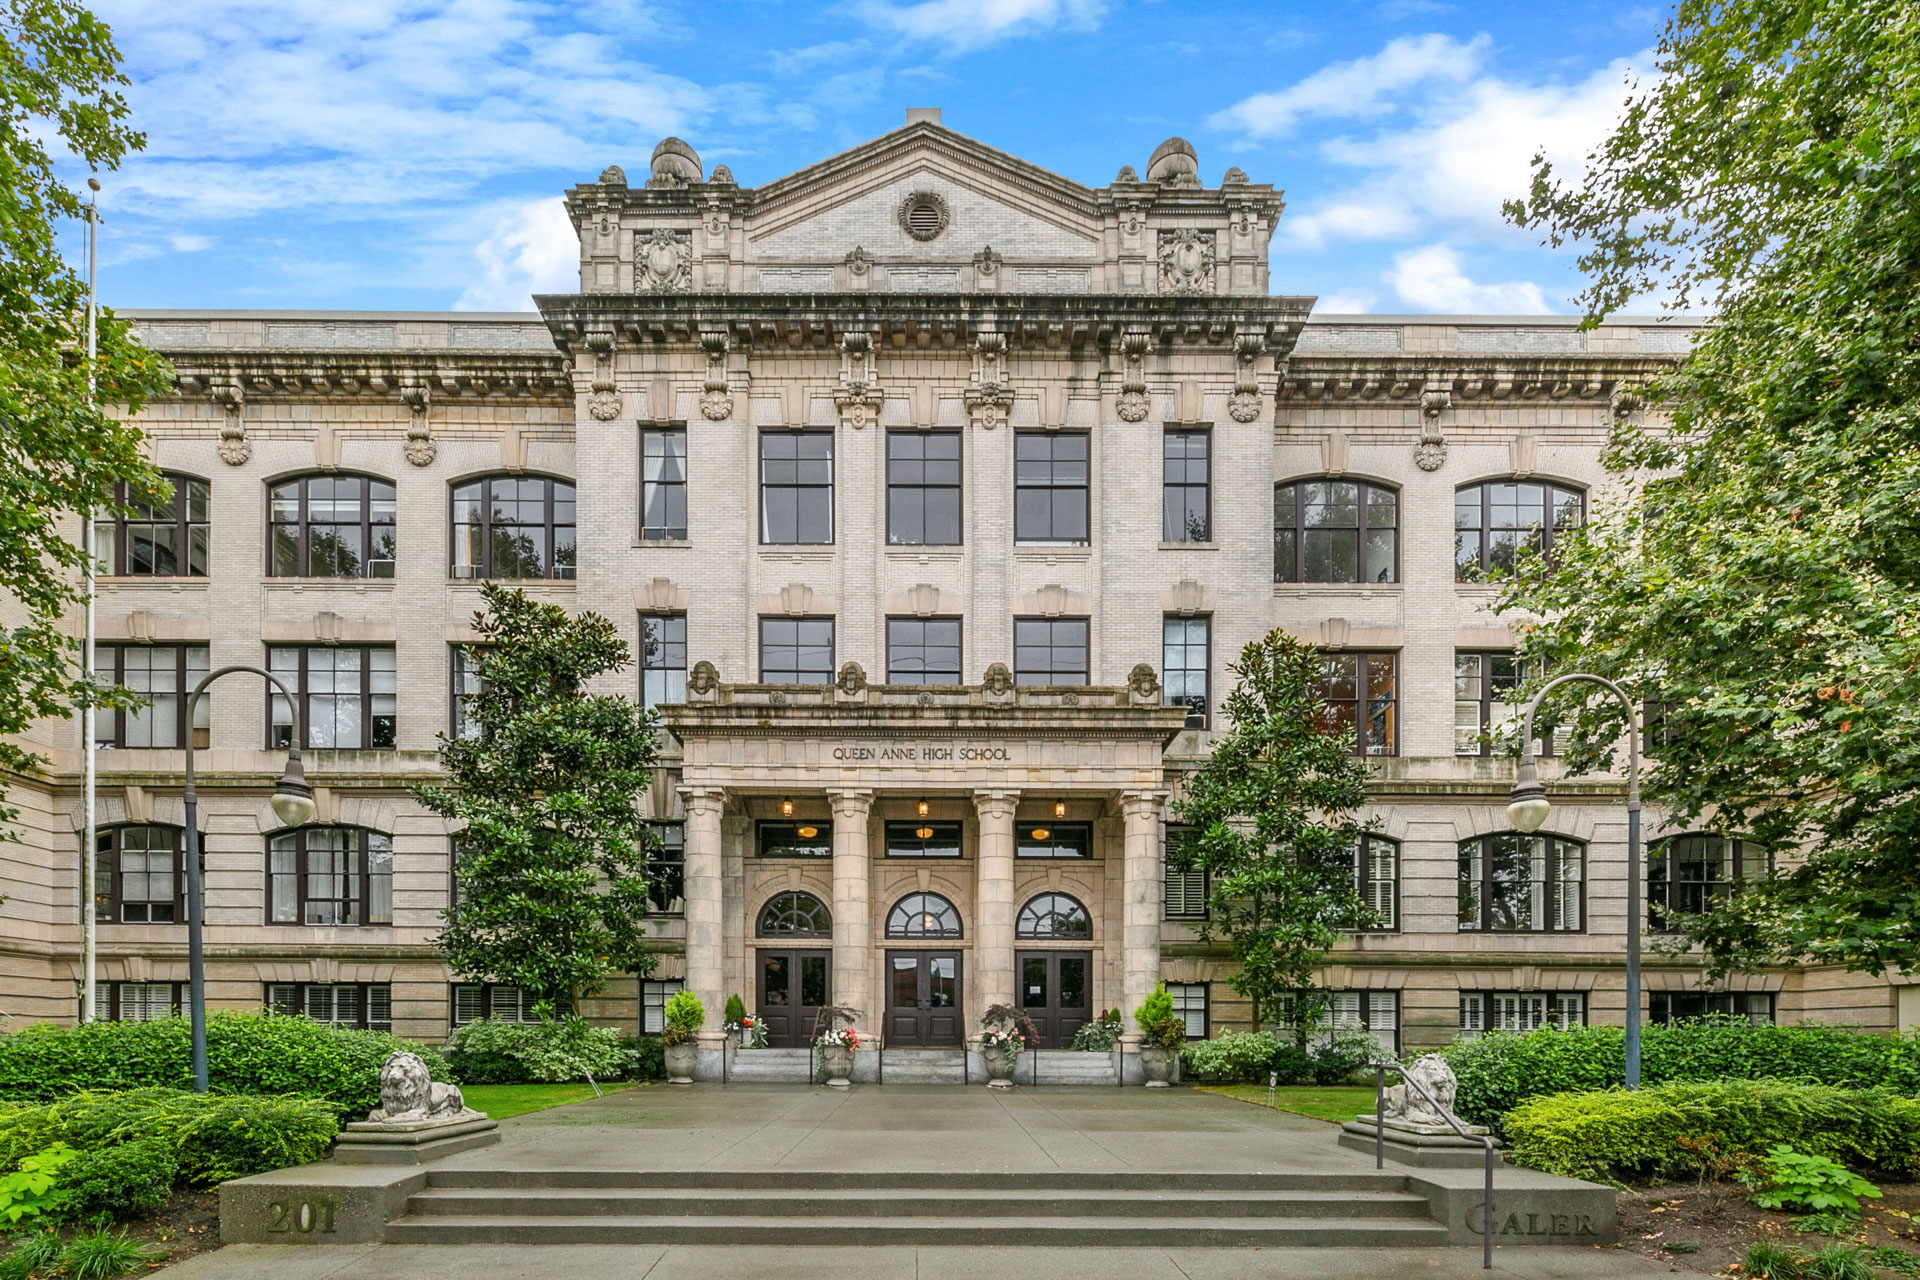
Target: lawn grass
x=1336, y=1103
x=502, y=1100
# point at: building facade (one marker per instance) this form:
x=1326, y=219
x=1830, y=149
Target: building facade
x=936, y=494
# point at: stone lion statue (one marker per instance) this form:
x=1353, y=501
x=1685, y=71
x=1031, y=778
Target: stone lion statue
x=409, y=1095
x=1406, y=1104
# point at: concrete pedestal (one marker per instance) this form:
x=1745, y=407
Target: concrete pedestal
x=1422, y=1146
x=368, y=1142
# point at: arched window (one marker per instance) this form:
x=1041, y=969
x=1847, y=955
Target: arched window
x=795, y=915
x=923, y=915
x=1054, y=915
x=1335, y=531
x=138, y=877
x=1692, y=874
x=1493, y=520
x=165, y=539
x=330, y=876
x=513, y=527
x=330, y=526
x=1515, y=883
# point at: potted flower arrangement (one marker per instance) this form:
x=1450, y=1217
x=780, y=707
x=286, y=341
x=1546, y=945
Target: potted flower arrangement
x=836, y=1046
x=684, y=1015
x=747, y=1030
x=1162, y=1034
x=1004, y=1033
x=1100, y=1035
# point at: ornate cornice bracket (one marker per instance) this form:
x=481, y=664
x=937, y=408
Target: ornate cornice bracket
x=988, y=394
x=858, y=394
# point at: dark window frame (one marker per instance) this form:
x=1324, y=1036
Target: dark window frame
x=1544, y=744
x=931, y=904
x=958, y=646
x=1022, y=929
x=1361, y=737
x=302, y=689
x=1073, y=840
x=1295, y=554
x=667, y=868
x=1176, y=836
x=660, y=664
x=359, y=879
x=185, y=675
x=1199, y=716
x=108, y=848
x=957, y=488
x=663, y=486
x=833, y=638
x=768, y=844
x=488, y=1010
x=1661, y=883
x=1660, y=1004
x=901, y=842
x=788, y=903
x=303, y=523
x=1181, y=991
x=301, y=991
x=1551, y=1013
x=795, y=486
x=1550, y=876
x=117, y=528
x=1363, y=1010
x=1546, y=530
x=1364, y=878
x=459, y=655
x=485, y=570
x=1185, y=486
x=1026, y=675
x=116, y=1006
x=1053, y=535
x=654, y=994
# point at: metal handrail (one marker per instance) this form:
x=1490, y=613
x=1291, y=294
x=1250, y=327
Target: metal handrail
x=1380, y=1070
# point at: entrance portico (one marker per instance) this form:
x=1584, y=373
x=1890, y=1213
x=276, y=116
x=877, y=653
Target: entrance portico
x=943, y=843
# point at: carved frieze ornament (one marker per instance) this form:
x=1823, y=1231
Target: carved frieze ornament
x=234, y=446
x=722, y=175
x=1430, y=454
x=1247, y=349
x=858, y=395
x=853, y=680
x=420, y=448
x=986, y=268
x=716, y=400
x=613, y=176
x=1234, y=177
x=603, y=402
x=675, y=164
x=1126, y=174
x=663, y=261
x=703, y=682
x=1174, y=163
x=859, y=268
x=1132, y=403
x=1625, y=401
x=1186, y=261
x=988, y=395
x=1143, y=686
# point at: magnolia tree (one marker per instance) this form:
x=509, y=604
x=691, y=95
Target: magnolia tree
x=1270, y=817
x=552, y=855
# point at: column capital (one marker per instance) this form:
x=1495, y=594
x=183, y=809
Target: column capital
x=1142, y=804
x=997, y=803
x=850, y=804
x=703, y=800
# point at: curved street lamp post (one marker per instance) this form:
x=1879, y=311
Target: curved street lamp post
x=1529, y=808
x=292, y=802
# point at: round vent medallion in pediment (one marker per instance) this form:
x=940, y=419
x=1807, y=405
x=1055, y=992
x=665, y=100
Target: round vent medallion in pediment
x=924, y=215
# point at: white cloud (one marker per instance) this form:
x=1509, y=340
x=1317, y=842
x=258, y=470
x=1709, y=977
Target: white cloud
x=190, y=243
x=533, y=249
x=1358, y=88
x=970, y=24
x=1432, y=279
x=1345, y=302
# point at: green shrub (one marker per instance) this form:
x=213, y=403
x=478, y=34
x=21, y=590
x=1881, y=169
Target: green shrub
x=101, y=1255
x=1498, y=1071
x=1614, y=1135
x=684, y=1015
x=1802, y=1183
x=247, y=1053
x=1098, y=1036
x=31, y=1189
x=552, y=1052
x=114, y=1181
x=1156, y=1021
x=1766, y=1260
x=1244, y=1057
x=1342, y=1053
x=212, y=1137
x=646, y=1058
x=1837, y=1262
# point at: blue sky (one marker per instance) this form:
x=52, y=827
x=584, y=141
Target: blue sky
x=338, y=154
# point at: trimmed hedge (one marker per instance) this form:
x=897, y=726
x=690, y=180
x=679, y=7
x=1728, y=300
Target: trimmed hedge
x=1248, y=1057
x=209, y=1137
x=247, y=1053
x=1497, y=1072
x=1614, y=1135
x=565, y=1049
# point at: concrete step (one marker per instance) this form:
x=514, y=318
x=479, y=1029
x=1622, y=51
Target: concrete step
x=572, y=1204
x=1214, y=1232
x=926, y=1066
x=943, y=1181
x=773, y=1066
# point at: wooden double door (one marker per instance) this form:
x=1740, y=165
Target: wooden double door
x=793, y=987
x=1054, y=991
x=923, y=999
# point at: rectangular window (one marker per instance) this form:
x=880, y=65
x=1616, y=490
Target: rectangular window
x=663, y=658
x=654, y=994
x=1375, y=1012
x=367, y=1006
x=463, y=673
x=1048, y=839
x=139, y=877
x=1190, y=1006
x=801, y=839
x=796, y=487
x=1184, y=654
x=796, y=651
x=1050, y=470
x=923, y=651
x=165, y=539
x=923, y=839
x=143, y=1001
x=1185, y=886
x=330, y=876
x=162, y=674
x=1377, y=871
x=663, y=483
x=923, y=488
x=1513, y=883
x=1519, y=1012
x=473, y=1001
x=346, y=692
x=1756, y=1007
x=1050, y=651
x=1484, y=688
x=667, y=869
x=1689, y=875
x=1186, y=472
x=1361, y=691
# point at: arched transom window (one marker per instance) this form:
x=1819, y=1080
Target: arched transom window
x=1494, y=520
x=923, y=915
x=1336, y=531
x=513, y=527
x=1054, y=915
x=795, y=915
x=331, y=526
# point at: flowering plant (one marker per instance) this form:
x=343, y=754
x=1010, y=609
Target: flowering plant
x=839, y=1037
x=1006, y=1030
x=752, y=1031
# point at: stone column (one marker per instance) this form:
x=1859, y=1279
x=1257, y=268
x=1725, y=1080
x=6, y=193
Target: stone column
x=705, y=936
x=852, y=914
x=735, y=830
x=993, y=901
x=1143, y=905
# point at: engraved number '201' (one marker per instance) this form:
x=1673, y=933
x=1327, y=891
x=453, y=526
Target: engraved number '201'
x=304, y=1216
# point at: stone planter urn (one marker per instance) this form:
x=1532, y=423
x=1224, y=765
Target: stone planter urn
x=681, y=1059
x=999, y=1067
x=838, y=1060
x=1158, y=1064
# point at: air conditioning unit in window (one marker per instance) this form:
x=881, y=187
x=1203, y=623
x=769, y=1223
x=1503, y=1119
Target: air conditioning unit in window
x=379, y=568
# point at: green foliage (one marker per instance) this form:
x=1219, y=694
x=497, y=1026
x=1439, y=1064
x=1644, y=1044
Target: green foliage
x=28, y=1191
x=1341, y=1053
x=1269, y=817
x=684, y=1014
x=736, y=1010
x=101, y=1255
x=34, y=1252
x=552, y=860
x=59, y=457
x=246, y=1053
x=1765, y=1260
x=212, y=1137
x=1497, y=1071
x=1892, y=1258
x=1801, y=1183
x=1098, y=1036
x=135, y=1176
x=1758, y=573
x=554, y=1051
x=1827, y=1222
x=1157, y=1022
x=1837, y=1262
x=1232, y=1057
x=1614, y=1135
x=646, y=1058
